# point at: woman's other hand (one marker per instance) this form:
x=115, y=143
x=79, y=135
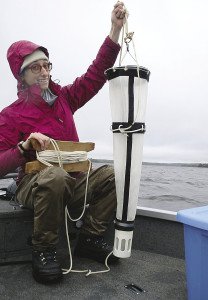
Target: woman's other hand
x=117, y=19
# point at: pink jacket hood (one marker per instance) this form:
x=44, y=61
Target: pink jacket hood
x=17, y=52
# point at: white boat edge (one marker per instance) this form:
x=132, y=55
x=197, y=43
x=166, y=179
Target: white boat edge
x=156, y=213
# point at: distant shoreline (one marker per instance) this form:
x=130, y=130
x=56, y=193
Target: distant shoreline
x=199, y=165
x=110, y=161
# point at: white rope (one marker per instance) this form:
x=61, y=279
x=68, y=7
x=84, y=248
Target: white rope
x=89, y=272
x=126, y=131
x=127, y=39
x=62, y=157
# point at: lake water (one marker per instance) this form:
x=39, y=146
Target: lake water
x=169, y=187
x=173, y=187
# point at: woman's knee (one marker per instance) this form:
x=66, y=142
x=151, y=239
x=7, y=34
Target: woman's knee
x=53, y=180
x=106, y=172
x=54, y=176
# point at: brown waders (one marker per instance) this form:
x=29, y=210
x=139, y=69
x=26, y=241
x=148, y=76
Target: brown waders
x=48, y=191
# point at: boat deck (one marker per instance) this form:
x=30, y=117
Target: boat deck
x=156, y=265
x=162, y=277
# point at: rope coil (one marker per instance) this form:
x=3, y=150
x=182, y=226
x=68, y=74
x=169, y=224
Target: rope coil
x=64, y=156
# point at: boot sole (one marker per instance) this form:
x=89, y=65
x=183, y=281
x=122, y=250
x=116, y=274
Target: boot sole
x=47, y=278
x=96, y=257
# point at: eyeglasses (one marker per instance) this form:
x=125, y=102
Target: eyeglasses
x=36, y=68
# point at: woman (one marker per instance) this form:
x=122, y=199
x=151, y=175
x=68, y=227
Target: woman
x=45, y=110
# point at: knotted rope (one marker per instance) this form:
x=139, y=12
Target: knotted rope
x=127, y=38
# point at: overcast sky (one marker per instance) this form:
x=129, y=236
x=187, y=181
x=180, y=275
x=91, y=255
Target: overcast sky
x=171, y=41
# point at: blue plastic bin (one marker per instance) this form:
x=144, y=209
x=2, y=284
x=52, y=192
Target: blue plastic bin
x=195, y=222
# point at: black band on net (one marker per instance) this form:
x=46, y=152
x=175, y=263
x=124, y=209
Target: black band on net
x=137, y=127
x=124, y=226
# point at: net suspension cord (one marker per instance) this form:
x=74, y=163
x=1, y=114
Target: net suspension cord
x=48, y=157
x=126, y=38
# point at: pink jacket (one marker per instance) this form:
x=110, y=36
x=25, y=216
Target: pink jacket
x=30, y=113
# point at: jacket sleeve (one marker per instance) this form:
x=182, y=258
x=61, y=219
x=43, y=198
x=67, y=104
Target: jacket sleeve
x=88, y=85
x=10, y=156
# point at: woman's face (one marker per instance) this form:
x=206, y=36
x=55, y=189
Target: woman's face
x=37, y=72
